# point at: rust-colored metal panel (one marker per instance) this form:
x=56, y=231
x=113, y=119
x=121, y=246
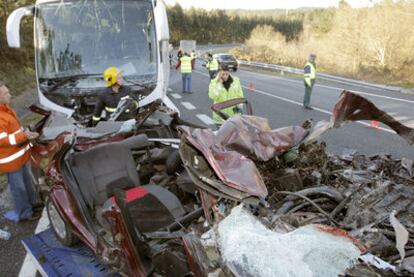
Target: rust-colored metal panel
x=242, y=140
x=353, y=107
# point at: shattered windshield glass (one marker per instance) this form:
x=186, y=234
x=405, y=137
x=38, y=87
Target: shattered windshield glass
x=83, y=38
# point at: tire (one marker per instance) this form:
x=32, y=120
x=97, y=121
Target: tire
x=234, y=69
x=61, y=229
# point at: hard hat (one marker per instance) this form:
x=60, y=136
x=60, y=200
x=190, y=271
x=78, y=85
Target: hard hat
x=111, y=75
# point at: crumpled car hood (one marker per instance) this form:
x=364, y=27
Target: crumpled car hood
x=241, y=140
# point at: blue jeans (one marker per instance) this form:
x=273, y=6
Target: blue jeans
x=22, y=190
x=186, y=82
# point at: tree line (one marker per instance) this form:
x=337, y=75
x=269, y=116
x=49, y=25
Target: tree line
x=374, y=44
x=218, y=26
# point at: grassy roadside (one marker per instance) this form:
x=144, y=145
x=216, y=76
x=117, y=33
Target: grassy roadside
x=17, y=79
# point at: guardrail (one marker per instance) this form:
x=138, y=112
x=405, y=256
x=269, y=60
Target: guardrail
x=324, y=76
x=205, y=48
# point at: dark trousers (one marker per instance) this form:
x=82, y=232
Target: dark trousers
x=307, y=97
x=213, y=74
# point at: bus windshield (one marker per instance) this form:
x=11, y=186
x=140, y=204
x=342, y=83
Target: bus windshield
x=83, y=38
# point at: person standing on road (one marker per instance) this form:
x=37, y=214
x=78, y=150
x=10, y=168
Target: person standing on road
x=309, y=79
x=222, y=88
x=212, y=66
x=15, y=160
x=186, y=65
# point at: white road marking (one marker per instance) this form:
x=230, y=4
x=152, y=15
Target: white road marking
x=29, y=266
x=314, y=108
x=206, y=119
x=301, y=104
x=372, y=94
x=43, y=223
x=176, y=95
x=188, y=106
x=336, y=88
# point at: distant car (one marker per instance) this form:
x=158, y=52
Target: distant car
x=228, y=60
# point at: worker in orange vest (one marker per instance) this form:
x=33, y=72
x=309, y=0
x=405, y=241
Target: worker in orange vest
x=14, y=160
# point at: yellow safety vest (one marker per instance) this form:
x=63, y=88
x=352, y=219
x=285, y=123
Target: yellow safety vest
x=312, y=74
x=186, y=64
x=213, y=65
x=219, y=94
x=309, y=77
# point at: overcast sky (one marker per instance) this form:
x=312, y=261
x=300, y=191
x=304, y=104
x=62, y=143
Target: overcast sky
x=263, y=4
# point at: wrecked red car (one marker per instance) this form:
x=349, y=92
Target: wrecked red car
x=133, y=196
x=163, y=198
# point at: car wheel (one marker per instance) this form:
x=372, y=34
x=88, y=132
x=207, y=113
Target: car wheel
x=59, y=226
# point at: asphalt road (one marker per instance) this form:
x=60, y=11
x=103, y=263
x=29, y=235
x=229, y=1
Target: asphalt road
x=279, y=99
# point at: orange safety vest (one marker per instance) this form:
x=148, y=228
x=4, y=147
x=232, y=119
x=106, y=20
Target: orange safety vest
x=14, y=146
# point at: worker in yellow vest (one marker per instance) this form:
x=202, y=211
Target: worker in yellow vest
x=186, y=70
x=222, y=88
x=212, y=66
x=309, y=79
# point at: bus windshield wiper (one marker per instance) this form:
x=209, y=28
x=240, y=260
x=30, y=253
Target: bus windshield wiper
x=143, y=85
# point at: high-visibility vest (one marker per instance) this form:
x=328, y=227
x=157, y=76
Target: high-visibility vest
x=312, y=74
x=218, y=93
x=213, y=65
x=14, y=146
x=309, y=77
x=186, y=64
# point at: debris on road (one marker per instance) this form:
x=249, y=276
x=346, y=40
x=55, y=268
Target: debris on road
x=244, y=200
x=5, y=235
x=367, y=199
x=353, y=107
x=251, y=249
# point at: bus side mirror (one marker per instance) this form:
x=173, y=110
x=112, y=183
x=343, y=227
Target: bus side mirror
x=161, y=21
x=13, y=25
